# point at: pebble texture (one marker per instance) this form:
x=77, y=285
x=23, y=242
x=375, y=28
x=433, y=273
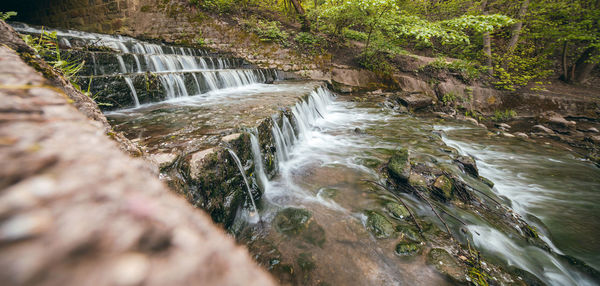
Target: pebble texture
x=76, y=210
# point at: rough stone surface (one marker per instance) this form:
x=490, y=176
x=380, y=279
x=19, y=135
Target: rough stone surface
x=399, y=165
x=415, y=100
x=542, y=128
x=197, y=160
x=75, y=210
x=163, y=160
x=468, y=165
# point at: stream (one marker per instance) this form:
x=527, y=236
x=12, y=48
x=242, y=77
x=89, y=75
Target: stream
x=325, y=217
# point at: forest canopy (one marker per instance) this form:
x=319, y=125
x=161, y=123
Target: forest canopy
x=517, y=42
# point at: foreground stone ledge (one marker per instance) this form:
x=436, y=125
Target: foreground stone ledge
x=75, y=210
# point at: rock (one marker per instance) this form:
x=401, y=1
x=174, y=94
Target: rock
x=508, y=135
x=358, y=131
x=594, y=139
x=486, y=181
x=408, y=234
x=399, y=165
x=411, y=84
x=163, y=160
x=555, y=120
x=197, y=160
x=543, y=129
x=444, y=186
x=503, y=126
x=467, y=164
x=446, y=264
x=299, y=223
x=25, y=226
x=407, y=248
x=414, y=101
x=397, y=210
x=231, y=137
x=472, y=121
x=521, y=135
x=378, y=225
x=482, y=125
x=593, y=130
x=417, y=180
x=352, y=77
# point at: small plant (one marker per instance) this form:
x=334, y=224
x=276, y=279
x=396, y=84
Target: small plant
x=46, y=46
x=504, y=115
x=466, y=70
x=267, y=31
x=6, y=15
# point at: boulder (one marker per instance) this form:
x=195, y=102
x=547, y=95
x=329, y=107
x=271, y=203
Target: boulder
x=397, y=210
x=443, y=186
x=399, y=165
x=414, y=100
x=503, y=126
x=197, y=160
x=467, y=164
x=163, y=160
x=353, y=77
x=521, y=135
x=542, y=129
x=379, y=225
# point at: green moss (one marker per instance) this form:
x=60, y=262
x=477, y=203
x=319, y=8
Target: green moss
x=407, y=248
x=398, y=211
x=378, y=225
x=444, y=186
x=299, y=223
x=399, y=165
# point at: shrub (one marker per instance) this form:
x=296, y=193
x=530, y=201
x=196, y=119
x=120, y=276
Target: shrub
x=267, y=31
x=6, y=15
x=504, y=115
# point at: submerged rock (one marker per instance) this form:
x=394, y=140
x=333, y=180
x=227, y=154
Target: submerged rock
x=444, y=187
x=378, y=225
x=467, y=163
x=397, y=210
x=407, y=248
x=446, y=264
x=399, y=165
x=299, y=223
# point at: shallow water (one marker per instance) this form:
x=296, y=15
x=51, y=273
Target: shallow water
x=548, y=182
x=324, y=175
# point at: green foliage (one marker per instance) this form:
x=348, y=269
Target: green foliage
x=308, y=42
x=504, y=115
x=46, y=46
x=6, y=15
x=267, y=31
x=465, y=69
x=518, y=69
x=354, y=35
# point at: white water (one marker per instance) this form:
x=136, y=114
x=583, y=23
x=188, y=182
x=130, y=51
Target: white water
x=243, y=172
x=133, y=92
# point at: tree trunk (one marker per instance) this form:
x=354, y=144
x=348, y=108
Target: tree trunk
x=583, y=67
x=565, y=67
x=516, y=28
x=487, y=41
x=302, y=15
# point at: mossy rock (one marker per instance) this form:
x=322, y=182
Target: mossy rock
x=417, y=180
x=379, y=225
x=407, y=233
x=406, y=248
x=447, y=265
x=328, y=193
x=299, y=223
x=486, y=181
x=397, y=210
x=444, y=186
x=399, y=165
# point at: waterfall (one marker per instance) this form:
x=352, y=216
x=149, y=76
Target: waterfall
x=258, y=161
x=121, y=64
x=243, y=172
x=133, y=93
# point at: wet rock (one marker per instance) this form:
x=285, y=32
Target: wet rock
x=467, y=164
x=407, y=248
x=417, y=180
x=358, y=131
x=543, y=129
x=482, y=125
x=378, y=225
x=555, y=120
x=408, y=233
x=443, y=186
x=446, y=264
x=521, y=135
x=503, y=126
x=594, y=139
x=163, y=160
x=299, y=223
x=472, y=121
x=593, y=130
x=231, y=137
x=397, y=210
x=197, y=160
x=507, y=135
x=415, y=101
x=486, y=181
x=399, y=165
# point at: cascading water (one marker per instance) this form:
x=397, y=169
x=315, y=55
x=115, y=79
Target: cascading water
x=181, y=72
x=258, y=161
x=243, y=172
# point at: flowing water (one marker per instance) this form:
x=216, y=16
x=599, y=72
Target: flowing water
x=314, y=213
